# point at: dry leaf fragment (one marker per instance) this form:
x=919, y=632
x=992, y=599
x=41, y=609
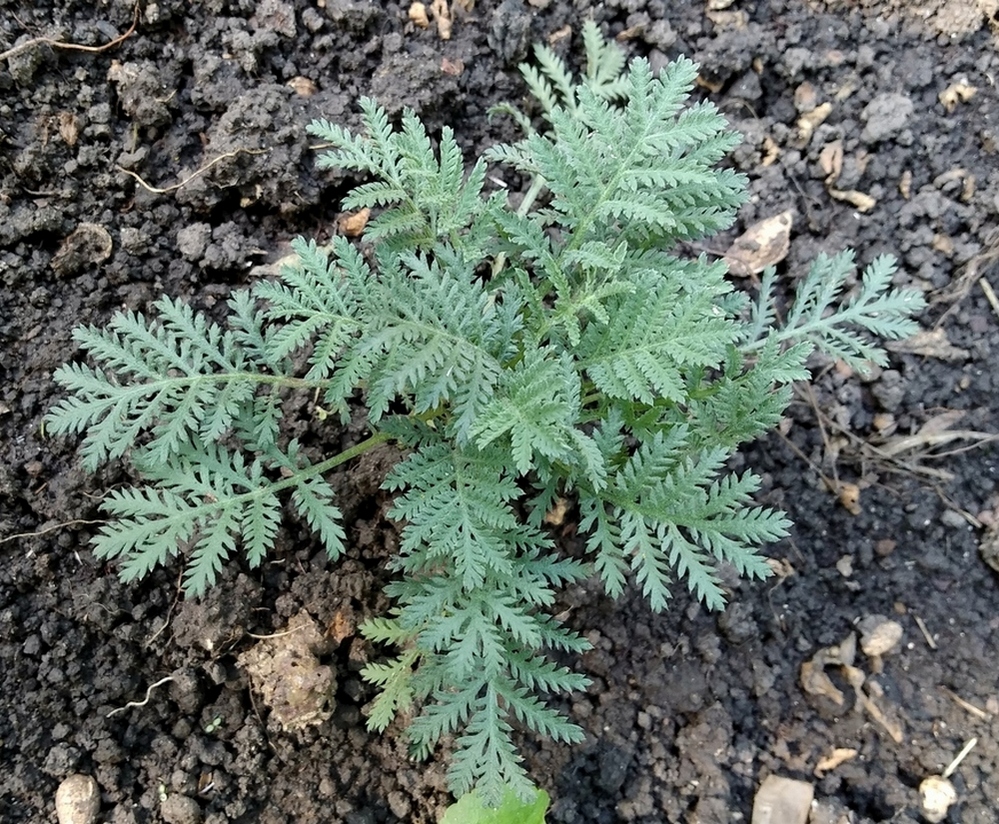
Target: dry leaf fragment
x=814, y=681
x=69, y=128
x=812, y=674
x=848, y=495
x=763, y=244
x=780, y=567
x=559, y=35
x=712, y=85
x=556, y=515
x=959, y=92
x=630, y=33
x=343, y=625
x=942, y=422
x=840, y=755
x=862, y=202
x=931, y=344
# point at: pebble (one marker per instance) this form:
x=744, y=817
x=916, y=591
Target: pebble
x=78, y=800
x=179, y=809
x=782, y=801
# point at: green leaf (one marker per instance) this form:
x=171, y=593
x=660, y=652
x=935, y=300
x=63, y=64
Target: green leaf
x=512, y=809
x=535, y=408
x=177, y=377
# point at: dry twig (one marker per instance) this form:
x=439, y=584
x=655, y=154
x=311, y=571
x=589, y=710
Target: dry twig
x=144, y=701
x=990, y=294
x=957, y=699
x=47, y=530
x=192, y=176
x=60, y=44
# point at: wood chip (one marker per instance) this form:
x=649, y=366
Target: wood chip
x=441, y=13
x=807, y=123
x=926, y=633
x=905, y=185
x=840, y=755
x=831, y=161
x=990, y=294
x=765, y=243
x=418, y=15
x=861, y=201
x=957, y=699
x=931, y=344
x=69, y=128
x=771, y=151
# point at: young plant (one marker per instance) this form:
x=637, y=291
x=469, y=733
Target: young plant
x=516, y=356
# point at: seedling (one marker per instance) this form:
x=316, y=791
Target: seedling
x=561, y=349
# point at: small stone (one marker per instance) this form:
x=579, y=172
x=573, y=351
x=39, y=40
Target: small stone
x=399, y=805
x=193, y=240
x=179, y=809
x=886, y=115
x=936, y=794
x=878, y=634
x=782, y=801
x=78, y=800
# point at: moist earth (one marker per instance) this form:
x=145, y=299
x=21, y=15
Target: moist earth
x=175, y=160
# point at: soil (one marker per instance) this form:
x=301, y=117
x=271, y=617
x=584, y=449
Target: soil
x=176, y=160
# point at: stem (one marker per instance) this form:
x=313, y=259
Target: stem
x=531, y=195
x=340, y=458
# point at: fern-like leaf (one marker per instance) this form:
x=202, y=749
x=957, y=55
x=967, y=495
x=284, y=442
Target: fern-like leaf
x=178, y=377
x=874, y=309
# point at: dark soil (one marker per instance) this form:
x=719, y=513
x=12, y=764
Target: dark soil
x=176, y=161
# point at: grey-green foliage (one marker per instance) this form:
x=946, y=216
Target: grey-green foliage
x=517, y=356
